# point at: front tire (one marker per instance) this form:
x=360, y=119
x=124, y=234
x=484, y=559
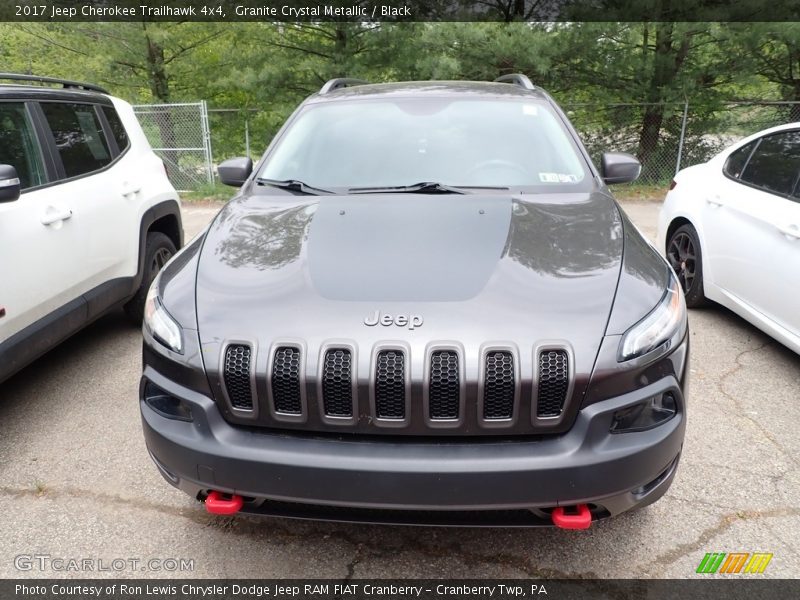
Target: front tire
x=686, y=259
x=157, y=251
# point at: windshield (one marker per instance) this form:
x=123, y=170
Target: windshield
x=405, y=141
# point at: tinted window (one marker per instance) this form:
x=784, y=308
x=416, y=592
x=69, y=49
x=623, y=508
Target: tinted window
x=737, y=160
x=18, y=146
x=78, y=136
x=403, y=141
x=775, y=163
x=117, y=129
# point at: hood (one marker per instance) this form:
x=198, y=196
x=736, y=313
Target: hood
x=411, y=268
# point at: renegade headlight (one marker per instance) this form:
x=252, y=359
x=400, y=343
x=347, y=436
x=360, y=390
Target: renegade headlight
x=667, y=321
x=159, y=322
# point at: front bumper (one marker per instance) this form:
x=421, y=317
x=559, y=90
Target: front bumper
x=419, y=481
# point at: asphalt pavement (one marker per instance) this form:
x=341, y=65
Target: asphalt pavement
x=76, y=481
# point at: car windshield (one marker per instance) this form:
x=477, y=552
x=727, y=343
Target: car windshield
x=400, y=142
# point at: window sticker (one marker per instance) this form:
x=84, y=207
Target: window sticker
x=559, y=178
x=530, y=109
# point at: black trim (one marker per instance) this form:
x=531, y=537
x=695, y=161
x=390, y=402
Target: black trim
x=26, y=92
x=113, y=147
x=43, y=136
x=67, y=83
x=153, y=214
x=39, y=337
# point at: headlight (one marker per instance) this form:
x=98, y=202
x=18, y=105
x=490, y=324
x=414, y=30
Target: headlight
x=665, y=322
x=159, y=322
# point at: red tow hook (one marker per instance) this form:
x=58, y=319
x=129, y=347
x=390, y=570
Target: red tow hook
x=218, y=503
x=579, y=517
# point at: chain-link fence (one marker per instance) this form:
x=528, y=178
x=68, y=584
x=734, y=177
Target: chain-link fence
x=664, y=137
x=651, y=132
x=669, y=136
x=179, y=134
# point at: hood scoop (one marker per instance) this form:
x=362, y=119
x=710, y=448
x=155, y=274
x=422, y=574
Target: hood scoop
x=406, y=247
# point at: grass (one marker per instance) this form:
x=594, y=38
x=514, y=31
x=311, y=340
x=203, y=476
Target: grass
x=640, y=191
x=212, y=192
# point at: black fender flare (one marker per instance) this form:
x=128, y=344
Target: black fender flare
x=151, y=215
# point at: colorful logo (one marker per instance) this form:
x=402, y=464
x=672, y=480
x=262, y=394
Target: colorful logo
x=734, y=562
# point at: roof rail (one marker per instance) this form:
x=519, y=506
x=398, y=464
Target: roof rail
x=517, y=79
x=64, y=82
x=341, y=82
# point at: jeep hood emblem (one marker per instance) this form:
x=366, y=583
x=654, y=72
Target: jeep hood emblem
x=385, y=319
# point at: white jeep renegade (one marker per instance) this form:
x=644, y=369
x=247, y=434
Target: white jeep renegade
x=87, y=214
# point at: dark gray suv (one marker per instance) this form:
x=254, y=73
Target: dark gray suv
x=424, y=306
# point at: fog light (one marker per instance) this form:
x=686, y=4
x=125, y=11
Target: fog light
x=165, y=404
x=645, y=415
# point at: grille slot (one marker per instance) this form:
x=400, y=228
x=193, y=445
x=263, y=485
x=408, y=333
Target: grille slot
x=499, y=384
x=553, y=383
x=337, y=383
x=444, y=394
x=236, y=375
x=390, y=385
x=286, y=381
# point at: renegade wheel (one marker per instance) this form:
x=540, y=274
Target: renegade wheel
x=685, y=257
x=158, y=250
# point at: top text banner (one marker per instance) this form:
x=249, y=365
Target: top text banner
x=398, y=10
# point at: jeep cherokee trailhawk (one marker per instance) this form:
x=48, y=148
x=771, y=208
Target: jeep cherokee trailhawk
x=424, y=306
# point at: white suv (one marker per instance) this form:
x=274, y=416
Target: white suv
x=87, y=213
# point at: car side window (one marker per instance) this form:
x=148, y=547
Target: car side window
x=78, y=135
x=738, y=159
x=775, y=163
x=117, y=128
x=18, y=145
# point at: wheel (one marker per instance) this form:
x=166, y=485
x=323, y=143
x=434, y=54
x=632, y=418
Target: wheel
x=158, y=250
x=685, y=257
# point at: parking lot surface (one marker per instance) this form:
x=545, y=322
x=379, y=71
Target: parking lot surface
x=76, y=481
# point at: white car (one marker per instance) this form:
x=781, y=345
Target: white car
x=87, y=213
x=731, y=230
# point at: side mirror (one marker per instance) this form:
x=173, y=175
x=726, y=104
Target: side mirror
x=235, y=171
x=9, y=184
x=619, y=167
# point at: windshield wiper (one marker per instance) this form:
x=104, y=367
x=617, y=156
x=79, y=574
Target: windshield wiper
x=423, y=187
x=293, y=185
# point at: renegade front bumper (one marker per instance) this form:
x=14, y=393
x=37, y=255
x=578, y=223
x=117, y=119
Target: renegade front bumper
x=400, y=480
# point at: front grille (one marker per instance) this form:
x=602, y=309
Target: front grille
x=498, y=387
x=286, y=381
x=390, y=385
x=236, y=375
x=553, y=383
x=445, y=391
x=337, y=383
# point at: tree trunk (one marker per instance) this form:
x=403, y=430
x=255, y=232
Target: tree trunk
x=667, y=60
x=159, y=87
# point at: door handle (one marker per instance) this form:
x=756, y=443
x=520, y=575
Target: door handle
x=714, y=201
x=53, y=215
x=129, y=189
x=791, y=231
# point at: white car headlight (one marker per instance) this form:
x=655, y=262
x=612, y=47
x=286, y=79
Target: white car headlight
x=665, y=322
x=159, y=322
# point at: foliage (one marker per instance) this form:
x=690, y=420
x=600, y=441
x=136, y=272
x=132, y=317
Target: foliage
x=265, y=69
